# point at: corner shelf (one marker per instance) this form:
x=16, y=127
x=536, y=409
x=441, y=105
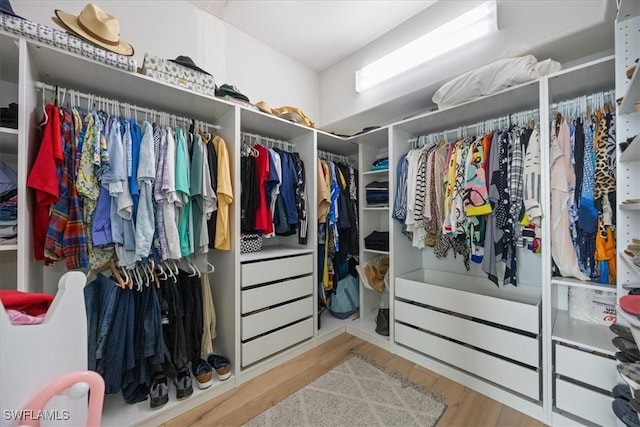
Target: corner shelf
x=583, y=334
x=8, y=140
x=629, y=261
x=631, y=95
x=629, y=207
x=627, y=9
x=575, y=283
x=377, y=172
x=632, y=153
x=374, y=251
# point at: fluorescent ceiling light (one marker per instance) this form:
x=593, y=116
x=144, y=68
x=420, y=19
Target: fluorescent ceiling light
x=476, y=23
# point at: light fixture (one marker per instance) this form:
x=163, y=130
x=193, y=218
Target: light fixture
x=476, y=23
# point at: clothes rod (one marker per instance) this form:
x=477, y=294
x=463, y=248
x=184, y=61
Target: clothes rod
x=258, y=139
x=483, y=126
x=595, y=97
x=94, y=99
x=333, y=157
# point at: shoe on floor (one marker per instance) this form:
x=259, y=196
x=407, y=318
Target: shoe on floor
x=625, y=413
x=159, y=392
x=184, y=387
x=221, y=364
x=622, y=331
x=203, y=374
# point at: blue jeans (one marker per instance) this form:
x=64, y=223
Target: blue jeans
x=100, y=298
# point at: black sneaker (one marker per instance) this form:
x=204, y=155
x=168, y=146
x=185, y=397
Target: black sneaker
x=159, y=392
x=184, y=388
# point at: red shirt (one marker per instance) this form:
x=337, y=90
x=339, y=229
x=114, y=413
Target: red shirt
x=43, y=178
x=264, y=220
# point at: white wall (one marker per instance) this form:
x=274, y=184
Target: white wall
x=171, y=28
x=525, y=26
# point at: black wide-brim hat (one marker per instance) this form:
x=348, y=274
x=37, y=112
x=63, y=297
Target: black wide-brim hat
x=185, y=61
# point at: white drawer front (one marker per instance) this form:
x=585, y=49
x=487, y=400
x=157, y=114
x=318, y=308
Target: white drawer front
x=585, y=403
x=510, y=375
x=586, y=367
x=266, y=296
x=265, y=346
x=276, y=269
x=268, y=320
x=508, y=344
x=503, y=312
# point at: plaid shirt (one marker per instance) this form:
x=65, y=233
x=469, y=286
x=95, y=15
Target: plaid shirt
x=66, y=235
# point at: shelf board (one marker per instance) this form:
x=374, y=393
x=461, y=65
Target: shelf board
x=377, y=208
x=66, y=69
x=629, y=207
x=584, y=334
x=594, y=76
x=9, y=54
x=629, y=261
x=375, y=251
x=377, y=138
x=575, y=283
x=270, y=126
x=8, y=140
x=336, y=145
x=367, y=326
x=632, y=153
x=13, y=247
x=627, y=9
x=118, y=413
x=274, y=252
x=632, y=95
x=378, y=172
x=516, y=98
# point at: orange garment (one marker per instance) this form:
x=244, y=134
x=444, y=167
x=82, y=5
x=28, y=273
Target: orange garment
x=606, y=251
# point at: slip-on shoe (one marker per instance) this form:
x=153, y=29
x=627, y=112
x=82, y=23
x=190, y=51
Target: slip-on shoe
x=625, y=413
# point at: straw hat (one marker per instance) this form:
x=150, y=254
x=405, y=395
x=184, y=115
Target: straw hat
x=96, y=26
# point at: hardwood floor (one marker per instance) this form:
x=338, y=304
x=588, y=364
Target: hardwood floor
x=465, y=406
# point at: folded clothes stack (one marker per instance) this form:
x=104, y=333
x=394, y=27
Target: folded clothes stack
x=9, y=116
x=382, y=160
x=377, y=193
x=8, y=205
x=377, y=240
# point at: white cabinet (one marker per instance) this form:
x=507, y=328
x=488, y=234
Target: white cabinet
x=277, y=306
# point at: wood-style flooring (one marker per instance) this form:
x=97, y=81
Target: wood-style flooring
x=465, y=406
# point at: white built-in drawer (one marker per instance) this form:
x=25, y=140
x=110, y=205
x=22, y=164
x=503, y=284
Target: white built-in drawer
x=585, y=367
x=510, y=375
x=515, y=314
x=512, y=345
x=276, y=293
x=267, y=345
x=273, y=270
x=585, y=403
x=270, y=319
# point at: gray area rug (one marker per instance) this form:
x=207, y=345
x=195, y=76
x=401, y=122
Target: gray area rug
x=355, y=393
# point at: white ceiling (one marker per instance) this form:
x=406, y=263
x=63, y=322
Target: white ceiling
x=316, y=33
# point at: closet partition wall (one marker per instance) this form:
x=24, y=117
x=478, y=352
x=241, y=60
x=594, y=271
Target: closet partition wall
x=9, y=151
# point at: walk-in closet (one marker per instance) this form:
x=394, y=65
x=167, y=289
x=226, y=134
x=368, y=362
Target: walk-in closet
x=451, y=238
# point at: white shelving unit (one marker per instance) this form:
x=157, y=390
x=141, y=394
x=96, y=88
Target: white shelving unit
x=591, y=341
x=372, y=218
